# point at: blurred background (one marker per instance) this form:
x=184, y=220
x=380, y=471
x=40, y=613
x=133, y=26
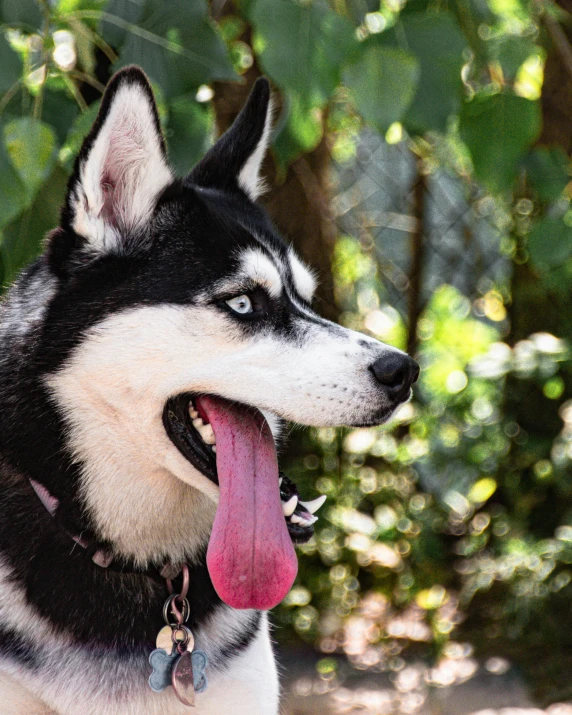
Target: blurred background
x=421, y=163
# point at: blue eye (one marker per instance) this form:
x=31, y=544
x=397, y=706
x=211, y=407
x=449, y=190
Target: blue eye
x=241, y=304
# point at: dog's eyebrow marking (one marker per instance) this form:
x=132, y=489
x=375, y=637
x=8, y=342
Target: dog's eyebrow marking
x=304, y=279
x=259, y=267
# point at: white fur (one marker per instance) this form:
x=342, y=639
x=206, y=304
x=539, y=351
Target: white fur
x=249, y=178
x=127, y=153
x=259, y=268
x=304, y=278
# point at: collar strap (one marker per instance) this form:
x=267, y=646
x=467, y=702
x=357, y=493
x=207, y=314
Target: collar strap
x=99, y=554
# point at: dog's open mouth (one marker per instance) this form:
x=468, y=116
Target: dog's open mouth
x=250, y=556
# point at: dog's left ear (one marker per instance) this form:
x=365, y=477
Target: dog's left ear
x=121, y=169
x=236, y=158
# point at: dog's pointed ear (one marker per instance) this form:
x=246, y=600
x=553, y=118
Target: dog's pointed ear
x=121, y=169
x=236, y=158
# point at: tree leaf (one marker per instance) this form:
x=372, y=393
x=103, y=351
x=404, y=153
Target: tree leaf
x=174, y=42
x=548, y=170
x=59, y=111
x=383, y=82
x=438, y=44
x=550, y=242
x=22, y=239
x=511, y=51
x=498, y=130
x=31, y=145
x=21, y=12
x=77, y=133
x=12, y=188
x=10, y=63
x=189, y=130
x=302, y=46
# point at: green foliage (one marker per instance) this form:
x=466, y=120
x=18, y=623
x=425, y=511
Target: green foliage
x=383, y=72
x=550, y=242
x=438, y=44
x=302, y=46
x=421, y=70
x=498, y=130
x=174, y=42
x=463, y=500
x=547, y=169
x=11, y=65
x=31, y=146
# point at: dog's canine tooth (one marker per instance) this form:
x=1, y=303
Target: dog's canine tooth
x=214, y=448
x=280, y=482
x=289, y=506
x=315, y=504
x=197, y=423
x=194, y=414
x=302, y=520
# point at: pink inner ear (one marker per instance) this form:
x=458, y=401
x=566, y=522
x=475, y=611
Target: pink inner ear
x=109, y=199
x=128, y=165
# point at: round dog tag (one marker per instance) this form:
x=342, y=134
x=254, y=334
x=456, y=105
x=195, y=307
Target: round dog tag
x=165, y=640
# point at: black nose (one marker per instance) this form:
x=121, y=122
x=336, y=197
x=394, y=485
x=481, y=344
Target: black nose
x=397, y=372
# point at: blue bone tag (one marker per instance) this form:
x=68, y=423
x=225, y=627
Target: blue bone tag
x=163, y=664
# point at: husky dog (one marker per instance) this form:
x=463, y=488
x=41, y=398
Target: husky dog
x=147, y=360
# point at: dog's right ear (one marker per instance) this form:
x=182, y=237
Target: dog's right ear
x=236, y=158
x=118, y=175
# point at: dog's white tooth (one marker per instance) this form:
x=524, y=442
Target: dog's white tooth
x=289, y=506
x=315, y=504
x=193, y=413
x=280, y=482
x=207, y=434
x=214, y=448
x=197, y=423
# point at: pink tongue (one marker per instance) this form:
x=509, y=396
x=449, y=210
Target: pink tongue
x=250, y=557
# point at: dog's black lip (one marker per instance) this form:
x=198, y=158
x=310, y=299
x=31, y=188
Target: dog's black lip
x=179, y=427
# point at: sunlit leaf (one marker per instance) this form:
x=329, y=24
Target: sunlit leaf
x=383, y=82
x=498, y=130
x=482, y=490
x=31, y=146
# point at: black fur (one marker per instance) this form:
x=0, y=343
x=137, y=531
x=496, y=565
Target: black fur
x=194, y=232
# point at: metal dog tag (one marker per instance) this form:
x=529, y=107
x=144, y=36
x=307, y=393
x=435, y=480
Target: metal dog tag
x=183, y=680
x=165, y=640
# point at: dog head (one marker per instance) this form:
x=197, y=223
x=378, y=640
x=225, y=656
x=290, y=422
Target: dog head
x=178, y=309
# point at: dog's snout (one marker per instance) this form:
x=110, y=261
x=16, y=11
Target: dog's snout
x=396, y=372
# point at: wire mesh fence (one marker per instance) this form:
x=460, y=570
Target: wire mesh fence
x=445, y=231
